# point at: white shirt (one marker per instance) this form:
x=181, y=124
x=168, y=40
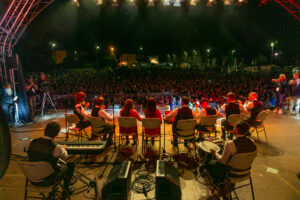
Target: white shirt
x=104, y=115
x=58, y=152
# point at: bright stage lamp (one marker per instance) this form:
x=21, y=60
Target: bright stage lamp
x=193, y=2
x=99, y=2
x=150, y=3
x=166, y=2
x=177, y=3
x=227, y=2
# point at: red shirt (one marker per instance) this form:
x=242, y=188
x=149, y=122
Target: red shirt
x=132, y=113
x=156, y=130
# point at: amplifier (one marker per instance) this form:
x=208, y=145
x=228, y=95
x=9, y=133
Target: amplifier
x=167, y=182
x=117, y=185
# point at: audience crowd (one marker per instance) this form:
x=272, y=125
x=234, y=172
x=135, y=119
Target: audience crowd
x=166, y=85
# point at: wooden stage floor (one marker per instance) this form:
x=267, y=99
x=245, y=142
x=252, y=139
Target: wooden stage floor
x=273, y=172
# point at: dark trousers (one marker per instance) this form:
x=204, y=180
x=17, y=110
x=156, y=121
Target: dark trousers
x=279, y=100
x=109, y=130
x=64, y=172
x=217, y=170
x=9, y=111
x=32, y=105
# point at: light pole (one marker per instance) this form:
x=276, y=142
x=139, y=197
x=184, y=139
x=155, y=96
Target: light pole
x=208, y=54
x=232, y=53
x=272, y=47
x=97, y=50
x=53, y=45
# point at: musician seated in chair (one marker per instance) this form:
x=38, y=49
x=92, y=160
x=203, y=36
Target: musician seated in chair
x=128, y=111
x=80, y=111
x=206, y=111
x=216, y=164
x=180, y=114
x=45, y=149
x=98, y=111
x=232, y=107
x=254, y=106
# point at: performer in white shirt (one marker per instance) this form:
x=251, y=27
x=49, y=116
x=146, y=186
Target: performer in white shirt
x=295, y=93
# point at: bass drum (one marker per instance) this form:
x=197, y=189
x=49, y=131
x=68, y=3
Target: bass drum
x=5, y=144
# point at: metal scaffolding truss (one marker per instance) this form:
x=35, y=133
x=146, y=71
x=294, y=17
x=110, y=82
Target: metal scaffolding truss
x=16, y=19
x=20, y=14
x=292, y=6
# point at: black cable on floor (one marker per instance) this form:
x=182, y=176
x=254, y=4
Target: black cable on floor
x=143, y=182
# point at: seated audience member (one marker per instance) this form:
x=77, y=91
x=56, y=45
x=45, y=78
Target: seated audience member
x=216, y=165
x=80, y=111
x=180, y=114
x=152, y=112
x=206, y=111
x=128, y=111
x=254, y=106
x=232, y=107
x=98, y=111
x=45, y=149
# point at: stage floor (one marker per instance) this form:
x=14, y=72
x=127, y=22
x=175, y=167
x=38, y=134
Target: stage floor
x=273, y=172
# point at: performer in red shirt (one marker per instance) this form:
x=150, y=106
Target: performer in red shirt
x=152, y=112
x=128, y=111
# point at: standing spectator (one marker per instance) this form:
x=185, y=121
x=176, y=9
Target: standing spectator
x=7, y=100
x=295, y=93
x=281, y=92
x=31, y=91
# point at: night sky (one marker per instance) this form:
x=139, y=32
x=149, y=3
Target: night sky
x=249, y=29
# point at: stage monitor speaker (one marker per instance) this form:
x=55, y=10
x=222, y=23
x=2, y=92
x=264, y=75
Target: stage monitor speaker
x=117, y=185
x=167, y=182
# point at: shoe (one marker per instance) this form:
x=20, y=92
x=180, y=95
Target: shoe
x=73, y=181
x=186, y=144
x=109, y=142
x=280, y=111
x=275, y=110
x=127, y=142
x=175, y=144
x=134, y=143
x=152, y=142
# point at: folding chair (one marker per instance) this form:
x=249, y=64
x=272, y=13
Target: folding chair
x=127, y=122
x=151, y=123
x=98, y=126
x=258, y=126
x=70, y=121
x=36, y=172
x=185, y=129
x=209, y=122
x=239, y=170
x=232, y=121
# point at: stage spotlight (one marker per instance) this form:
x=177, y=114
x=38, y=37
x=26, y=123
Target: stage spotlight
x=227, y=2
x=166, y=2
x=76, y=2
x=193, y=2
x=99, y=2
x=210, y=3
x=115, y=3
x=240, y=2
x=150, y=3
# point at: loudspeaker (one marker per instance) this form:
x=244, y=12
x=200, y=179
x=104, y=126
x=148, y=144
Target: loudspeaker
x=5, y=143
x=117, y=185
x=167, y=182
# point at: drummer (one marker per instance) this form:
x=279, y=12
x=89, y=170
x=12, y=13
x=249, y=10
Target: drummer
x=217, y=164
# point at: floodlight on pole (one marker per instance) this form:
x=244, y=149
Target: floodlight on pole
x=272, y=48
x=97, y=50
x=53, y=45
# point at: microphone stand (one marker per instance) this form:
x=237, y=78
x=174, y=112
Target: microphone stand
x=113, y=104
